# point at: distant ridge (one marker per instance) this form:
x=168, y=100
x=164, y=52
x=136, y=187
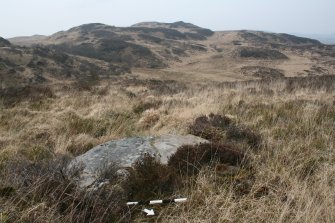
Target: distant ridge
x=324, y=38
x=96, y=50
x=28, y=40
x=179, y=24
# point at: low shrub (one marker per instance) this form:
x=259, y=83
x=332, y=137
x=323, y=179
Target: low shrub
x=217, y=128
x=243, y=133
x=261, y=53
x=210, y=127
x=262, y=72
x=86, y=84
x=189, y=159
x=150, y=179
x=13, y=95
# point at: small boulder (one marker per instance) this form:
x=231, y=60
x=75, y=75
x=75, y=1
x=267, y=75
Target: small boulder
x=123, y=153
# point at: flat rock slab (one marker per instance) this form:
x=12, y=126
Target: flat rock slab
x=125, y=152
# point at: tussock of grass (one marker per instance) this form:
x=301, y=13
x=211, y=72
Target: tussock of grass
x=142, y=106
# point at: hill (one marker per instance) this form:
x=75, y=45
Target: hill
x=259, y=37
x=184, y=49
x=27, y=40
x=21, y=66
x=137, y=46
x=324, y=38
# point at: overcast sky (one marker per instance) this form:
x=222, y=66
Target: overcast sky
x=29, y=17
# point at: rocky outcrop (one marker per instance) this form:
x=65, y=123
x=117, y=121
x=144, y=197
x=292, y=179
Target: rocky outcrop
x=124, y=153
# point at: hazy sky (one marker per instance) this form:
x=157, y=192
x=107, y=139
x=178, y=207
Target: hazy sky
x=29, y=17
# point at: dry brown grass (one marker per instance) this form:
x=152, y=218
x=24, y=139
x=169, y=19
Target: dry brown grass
x=41, y=192
x=293, y=175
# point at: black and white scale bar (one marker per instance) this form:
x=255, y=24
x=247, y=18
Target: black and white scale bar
x=166, y=201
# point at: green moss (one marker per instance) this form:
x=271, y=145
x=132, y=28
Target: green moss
x=37, y=153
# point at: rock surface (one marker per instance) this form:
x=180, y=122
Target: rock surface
x=124, y=152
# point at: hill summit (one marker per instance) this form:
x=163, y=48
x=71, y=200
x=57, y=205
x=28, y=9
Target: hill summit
x=179, y=24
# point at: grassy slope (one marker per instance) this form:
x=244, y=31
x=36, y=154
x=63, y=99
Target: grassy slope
x=295, y=165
